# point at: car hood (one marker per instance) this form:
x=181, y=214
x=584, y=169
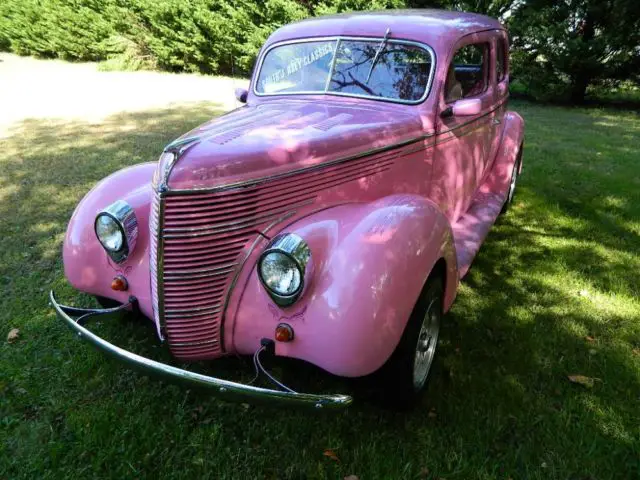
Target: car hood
x=276, y=137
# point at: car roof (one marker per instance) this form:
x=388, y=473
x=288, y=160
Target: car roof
x=430, y=26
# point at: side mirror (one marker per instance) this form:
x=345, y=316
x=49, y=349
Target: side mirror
x=467, y=108
x=241, y=95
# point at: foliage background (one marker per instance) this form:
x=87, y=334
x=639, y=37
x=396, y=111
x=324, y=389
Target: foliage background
x=561, y=50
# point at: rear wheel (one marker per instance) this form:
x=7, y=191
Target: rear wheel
x=406, y=373
x=512, y=184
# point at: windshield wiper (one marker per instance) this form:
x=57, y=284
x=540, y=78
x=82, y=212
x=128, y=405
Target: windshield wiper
x=383, y=43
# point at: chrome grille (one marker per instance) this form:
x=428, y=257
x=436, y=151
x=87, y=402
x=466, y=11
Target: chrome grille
x=197, y=244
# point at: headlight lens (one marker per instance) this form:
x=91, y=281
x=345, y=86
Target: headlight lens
x=109, y=233
x=285, y=268
x=117, y=230
x=280, y=273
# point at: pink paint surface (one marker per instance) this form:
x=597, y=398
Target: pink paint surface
x=414, y=189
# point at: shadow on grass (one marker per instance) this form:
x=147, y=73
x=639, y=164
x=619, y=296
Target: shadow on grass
x=552, y=293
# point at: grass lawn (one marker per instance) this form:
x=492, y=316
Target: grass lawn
x=555, y=291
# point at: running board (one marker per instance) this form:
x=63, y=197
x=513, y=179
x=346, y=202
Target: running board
x=472, y=228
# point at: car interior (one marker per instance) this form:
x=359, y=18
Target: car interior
x=467, y=75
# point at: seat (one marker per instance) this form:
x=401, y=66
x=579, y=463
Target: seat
x=453, y=87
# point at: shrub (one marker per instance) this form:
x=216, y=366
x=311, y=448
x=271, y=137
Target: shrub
x=69, y=29
x=207, y=36
x=336, y=6
x=126, y=55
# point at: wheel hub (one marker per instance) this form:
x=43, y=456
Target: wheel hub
x=426, y=345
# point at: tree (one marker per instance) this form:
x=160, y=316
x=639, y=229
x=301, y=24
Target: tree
x=563, y=47
x=493, y=8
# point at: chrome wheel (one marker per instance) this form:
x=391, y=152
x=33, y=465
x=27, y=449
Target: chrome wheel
x=426, y=345
x=512, y=185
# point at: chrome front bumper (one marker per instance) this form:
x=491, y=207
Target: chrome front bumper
x=223, y=388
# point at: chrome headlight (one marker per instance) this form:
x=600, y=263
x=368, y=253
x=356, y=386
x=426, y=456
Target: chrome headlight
x=283, y=268
x=117, y=230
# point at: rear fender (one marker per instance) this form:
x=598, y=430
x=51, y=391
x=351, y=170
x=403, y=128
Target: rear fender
x=370, y=263
x=86, y=265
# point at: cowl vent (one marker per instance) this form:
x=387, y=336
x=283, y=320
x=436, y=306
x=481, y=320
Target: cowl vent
x=331, y=122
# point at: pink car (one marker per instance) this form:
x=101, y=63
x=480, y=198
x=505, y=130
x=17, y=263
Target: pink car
x=329, y=219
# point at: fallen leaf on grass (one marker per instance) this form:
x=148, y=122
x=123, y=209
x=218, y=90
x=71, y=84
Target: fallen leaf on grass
x=13, y=335
x=589, y=339
x=636, y=351
x=351, y=477
x=331, y=455
x=582, y=380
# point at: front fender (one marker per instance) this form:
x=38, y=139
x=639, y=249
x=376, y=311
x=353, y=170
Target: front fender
x=86, y=265
x=370, y=262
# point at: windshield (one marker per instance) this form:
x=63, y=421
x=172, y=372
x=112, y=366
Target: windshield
x=400, y=71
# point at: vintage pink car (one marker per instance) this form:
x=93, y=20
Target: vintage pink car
x=329, y=219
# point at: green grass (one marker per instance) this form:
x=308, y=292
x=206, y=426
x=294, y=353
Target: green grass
x=562, y=266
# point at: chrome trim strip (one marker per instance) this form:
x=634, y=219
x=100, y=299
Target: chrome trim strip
x=219, y=227
x=160, y=264
x=177, y=148
x=194, y=344
x=337, y=39
x=170, y=314
x=226, y=389
x=187, y=276
x=194, y=309
x=203, y=270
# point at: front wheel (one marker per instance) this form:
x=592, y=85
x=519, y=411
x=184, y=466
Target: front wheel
x=406, y=373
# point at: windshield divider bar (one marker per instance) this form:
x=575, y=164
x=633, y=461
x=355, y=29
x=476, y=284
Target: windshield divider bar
x=333, y=64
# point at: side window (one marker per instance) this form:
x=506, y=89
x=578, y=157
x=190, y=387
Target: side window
x=468, y=72
x=501, y=60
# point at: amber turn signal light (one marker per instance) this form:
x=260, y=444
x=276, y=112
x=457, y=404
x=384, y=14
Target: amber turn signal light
x=284, y=332
x=119, y=283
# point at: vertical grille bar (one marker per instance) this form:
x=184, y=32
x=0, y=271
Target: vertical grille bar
x=154, y=235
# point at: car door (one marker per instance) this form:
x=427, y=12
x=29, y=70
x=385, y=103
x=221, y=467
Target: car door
x=500, y=83
x=461, y=141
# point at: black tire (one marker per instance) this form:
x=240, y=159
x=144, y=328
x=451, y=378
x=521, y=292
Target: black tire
x=399, y=388
x=512, y=184
x=105, y=302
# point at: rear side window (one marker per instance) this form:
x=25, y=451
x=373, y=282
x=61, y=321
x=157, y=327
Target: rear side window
x=468, y=72
x=501, y=60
